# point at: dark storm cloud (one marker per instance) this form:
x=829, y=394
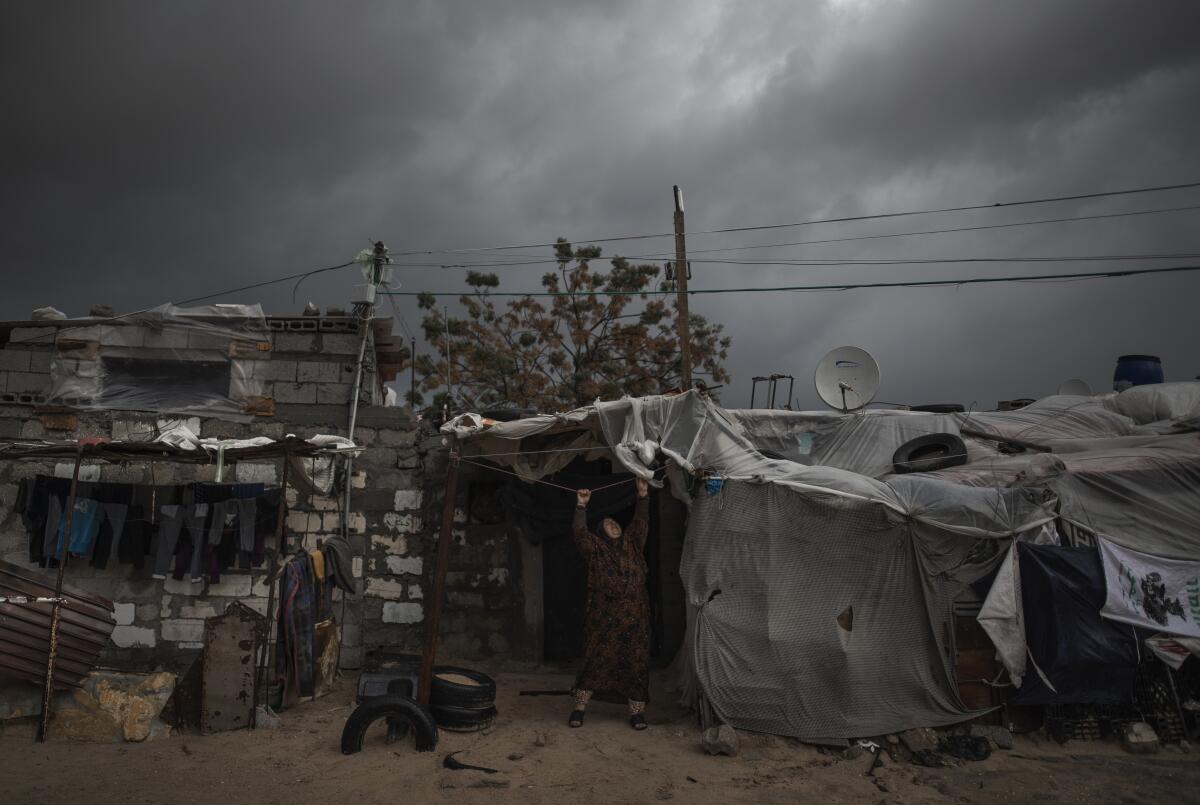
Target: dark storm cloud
x=157, y=151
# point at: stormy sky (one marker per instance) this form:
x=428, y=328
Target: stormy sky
x=154, y=152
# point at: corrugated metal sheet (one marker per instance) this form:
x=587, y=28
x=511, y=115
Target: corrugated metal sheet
x=84, y=627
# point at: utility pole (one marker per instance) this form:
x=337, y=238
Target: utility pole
x=681, y=278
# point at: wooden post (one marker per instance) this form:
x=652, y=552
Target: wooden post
x=274, y=568
x=56, y=612
x=429, y=649
x=681, y=280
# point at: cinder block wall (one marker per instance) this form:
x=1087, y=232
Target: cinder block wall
x=396, y=506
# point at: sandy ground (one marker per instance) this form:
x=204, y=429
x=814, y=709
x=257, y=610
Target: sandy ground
x=605, y=761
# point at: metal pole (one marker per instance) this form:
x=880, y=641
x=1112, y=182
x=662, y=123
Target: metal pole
x=429, y=649
x=449, y=379
x=681, y=279
x=272, y=581
x=412, y=375
x=56, y=611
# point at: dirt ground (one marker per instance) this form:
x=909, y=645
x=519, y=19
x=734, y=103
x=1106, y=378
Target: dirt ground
x=539, y=759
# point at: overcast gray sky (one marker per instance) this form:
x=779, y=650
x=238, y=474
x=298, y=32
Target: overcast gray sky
x=158, y=151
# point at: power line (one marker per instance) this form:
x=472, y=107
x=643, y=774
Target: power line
x=844, y=286
x=812, y=222
x=816, y=263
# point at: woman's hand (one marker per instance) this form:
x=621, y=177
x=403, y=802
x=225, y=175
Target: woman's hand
x=582, y=497
x=643, y=487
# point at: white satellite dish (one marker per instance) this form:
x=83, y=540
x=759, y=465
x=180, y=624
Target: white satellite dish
x=1075, y=388
x=847, y=378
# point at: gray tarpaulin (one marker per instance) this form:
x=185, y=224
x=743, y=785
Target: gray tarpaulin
x=820, y=588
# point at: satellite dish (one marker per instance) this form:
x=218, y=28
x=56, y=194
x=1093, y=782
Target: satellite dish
x=1075, y=388
x=847, y=378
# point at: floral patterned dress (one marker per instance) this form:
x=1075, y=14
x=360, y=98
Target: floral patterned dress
x=616, y=647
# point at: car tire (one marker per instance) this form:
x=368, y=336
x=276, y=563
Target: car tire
x=393, y=708
x=447, y=693
x=929, y=453
x=463, y=719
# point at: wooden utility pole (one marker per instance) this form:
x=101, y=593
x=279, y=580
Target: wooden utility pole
x=433, y=620
x=681, y=279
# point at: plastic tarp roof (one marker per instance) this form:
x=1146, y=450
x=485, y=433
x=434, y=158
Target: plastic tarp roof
x=781, y=552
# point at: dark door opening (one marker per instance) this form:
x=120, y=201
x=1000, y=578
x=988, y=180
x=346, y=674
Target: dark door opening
x=564, y=574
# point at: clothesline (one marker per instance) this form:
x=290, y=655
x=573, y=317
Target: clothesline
x=570, y=489
x=539, y=452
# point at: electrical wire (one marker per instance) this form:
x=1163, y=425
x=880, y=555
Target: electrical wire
x=815, y=221
x=816, y=263
x=845, y=286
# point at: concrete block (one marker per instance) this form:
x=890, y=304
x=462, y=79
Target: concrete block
x=358, y=480
x=179, y=630
x=124, y=613
x=259, y=605
x=318, y=372
x=32, y=335
x=357, y=523
x=385, y=588
x=400, y=565
x=199, y=609
x=393, y=437
x=231, y=585
x=261, y=588
x=305, y=393
x=164, y=607
x=402, y=612
x=33, y=429
x=356, y=567
x=15, y=360
x=27, y=382
x=408, y=499
x=133, y=430
x=276, y=369
x=207, y=341
x=146, y=613
x=296, y=342
x=167, y=338
x=133, y=637
x=340, y=343
x=402, y=523
x=182, y=586
x=392, y=545
x=189, y=644
x=333, y=393
x=297, y=521
x=40, y=361
x=249, y=473
x=331, y=521
x=1138, y=738
x=415, y=593
x=325, y=503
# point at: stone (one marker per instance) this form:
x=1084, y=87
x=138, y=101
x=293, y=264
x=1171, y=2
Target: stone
x=402, y=612
x=1000, y=737
x=1139, y=738
x=249, y=473
x=722, y=740
x=402, y=523
x=921, y=739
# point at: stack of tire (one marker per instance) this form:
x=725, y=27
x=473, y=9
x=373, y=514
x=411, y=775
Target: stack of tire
x=462, y=699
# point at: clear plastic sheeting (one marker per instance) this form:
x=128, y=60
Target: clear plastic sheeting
x=1055, y=417
x=1154, y=403
x=204, y=360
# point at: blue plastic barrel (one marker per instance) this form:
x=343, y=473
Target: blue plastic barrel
x=1137, y=370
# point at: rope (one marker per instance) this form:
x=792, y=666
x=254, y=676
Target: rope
x=540, y=452
x=570, y=489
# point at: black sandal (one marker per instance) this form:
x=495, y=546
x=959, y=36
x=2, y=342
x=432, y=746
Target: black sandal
x=576, y=719
x=638, y=721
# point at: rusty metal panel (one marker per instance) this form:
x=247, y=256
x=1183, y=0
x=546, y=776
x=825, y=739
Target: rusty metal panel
x=83, y=631
x=325, y=654
x=231, y=643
